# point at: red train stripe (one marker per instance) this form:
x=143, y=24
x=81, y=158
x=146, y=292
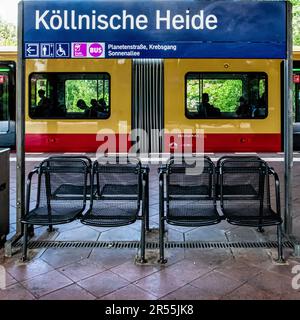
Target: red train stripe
x=226, y=143
x=121, y=143
x=74, y=142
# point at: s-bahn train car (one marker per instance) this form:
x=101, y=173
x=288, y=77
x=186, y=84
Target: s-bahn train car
x=7, y=96
x=69, y=101
x=296, y=97
x=156, y=96
x=244, y=96
x=76, y=105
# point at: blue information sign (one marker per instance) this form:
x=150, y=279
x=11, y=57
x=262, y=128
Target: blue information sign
x=155, y=29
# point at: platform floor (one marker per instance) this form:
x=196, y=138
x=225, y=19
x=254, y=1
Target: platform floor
x=113, y=274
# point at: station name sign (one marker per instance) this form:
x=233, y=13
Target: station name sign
x=71, y=20
x=154, y=29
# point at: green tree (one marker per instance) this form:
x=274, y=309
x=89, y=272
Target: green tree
x=223, y=94
x=296, y=22
x=8, y=34
x=86, y=90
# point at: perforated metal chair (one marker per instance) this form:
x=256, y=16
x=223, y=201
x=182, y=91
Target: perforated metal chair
x=247, y=186
x=245, y=195
x=118, y=195
x=61, y=193
x=187, y=196
x=74, y=187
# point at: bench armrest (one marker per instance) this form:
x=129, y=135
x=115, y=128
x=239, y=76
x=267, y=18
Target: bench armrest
x=28, y=188
x=277, y=189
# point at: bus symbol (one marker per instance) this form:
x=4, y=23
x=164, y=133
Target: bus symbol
x=97, y=50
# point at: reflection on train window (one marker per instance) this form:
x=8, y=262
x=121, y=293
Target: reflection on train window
x=4, y=100
x=296, y=95
x=69, y=95
x=226, y=95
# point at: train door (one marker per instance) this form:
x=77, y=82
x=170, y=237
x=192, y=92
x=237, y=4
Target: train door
x=7, y=104
x=148, y=103
x=296, y=99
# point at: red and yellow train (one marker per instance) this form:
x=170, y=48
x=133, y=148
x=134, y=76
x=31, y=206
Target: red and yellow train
x=163, y=97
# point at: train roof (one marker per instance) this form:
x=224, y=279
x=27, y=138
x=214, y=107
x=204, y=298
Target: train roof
x=8, y=49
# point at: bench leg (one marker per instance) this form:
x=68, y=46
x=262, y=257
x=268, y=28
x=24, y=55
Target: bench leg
x=280, y=249
x=147, y=218
x=30, y=230
x=50, y=228
x=143, y=240
x=25, y=240
x=147, y=222
x=161, y=241
x=147, y=204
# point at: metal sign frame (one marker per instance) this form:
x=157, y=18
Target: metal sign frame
x=154, y=29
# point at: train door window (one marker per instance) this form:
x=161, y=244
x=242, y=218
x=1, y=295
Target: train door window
x=296, y=93
x=4, y=99
x=226, y=95
x=69, y=95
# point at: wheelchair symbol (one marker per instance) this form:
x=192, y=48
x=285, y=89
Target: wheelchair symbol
x=61, y=52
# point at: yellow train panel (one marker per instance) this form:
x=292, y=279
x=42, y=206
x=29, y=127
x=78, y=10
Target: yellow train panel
x=8, y=54
x=175, y=72
x=296, y=53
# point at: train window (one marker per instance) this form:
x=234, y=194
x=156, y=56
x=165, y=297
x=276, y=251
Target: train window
x=4, y=100
x=296, y=94
x=69, y=96
x=226, y=95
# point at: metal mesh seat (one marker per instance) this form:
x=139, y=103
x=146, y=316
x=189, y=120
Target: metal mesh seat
x=192, y=213
x=245, y=196
x=117, y=200
x=121, y=190
x=247, y=213
x=69, y=188
x=245, y=191
x=180, y=190
x=61, y=193
x=239, y=184
x=112, y=213
x=119, y=194
x=62, y=211
x=187, y=196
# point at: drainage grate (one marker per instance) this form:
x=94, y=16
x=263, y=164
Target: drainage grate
x=153, y=245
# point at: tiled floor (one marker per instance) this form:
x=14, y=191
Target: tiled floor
x=113, y=274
